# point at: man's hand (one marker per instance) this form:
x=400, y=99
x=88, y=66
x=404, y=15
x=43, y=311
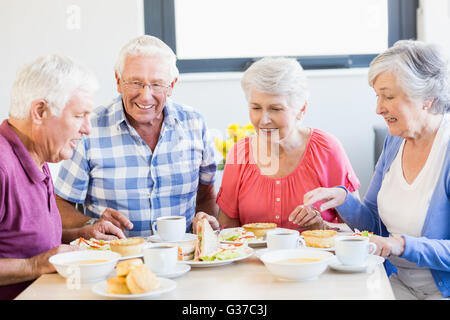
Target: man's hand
x=199, y=216
x=117, y=219
x=40, y=265
x=102, y=230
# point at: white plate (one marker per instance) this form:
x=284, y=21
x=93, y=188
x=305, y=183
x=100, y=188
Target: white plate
x=372, y=262
x=216, y=263
x=187, y=237
x=180, y=269
x=256, y=243
x=166, y=286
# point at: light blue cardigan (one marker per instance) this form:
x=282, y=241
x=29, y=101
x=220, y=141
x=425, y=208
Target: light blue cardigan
x=432, y=249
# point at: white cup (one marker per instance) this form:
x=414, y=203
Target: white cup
x=283, y=239
x=161, y=258
x=353, y=250
x=172, y=228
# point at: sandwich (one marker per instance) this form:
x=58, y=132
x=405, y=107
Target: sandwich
x=207, y=247
x=207, y=242
x=186, y=250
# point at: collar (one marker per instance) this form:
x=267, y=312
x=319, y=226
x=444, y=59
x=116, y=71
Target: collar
x=23, y=155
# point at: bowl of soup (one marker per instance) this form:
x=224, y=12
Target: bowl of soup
x=85, y=265
x=297, y=264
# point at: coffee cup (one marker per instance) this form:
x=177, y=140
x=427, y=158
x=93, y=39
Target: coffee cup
x=161, y=258
x=353, y=250
x=172, y=228
x=283, y=239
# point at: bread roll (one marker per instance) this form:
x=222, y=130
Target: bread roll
x=319, y=238
x=124, y=267
x=117, y=285
x=141, y=280
x=127, y=247
x=259, y=229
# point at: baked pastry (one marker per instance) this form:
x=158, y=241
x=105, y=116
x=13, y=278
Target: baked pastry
x=117, y=285
x=259, y=229
x=127, y=247
x=125, y=266
x=141, y=280
x=319, y=238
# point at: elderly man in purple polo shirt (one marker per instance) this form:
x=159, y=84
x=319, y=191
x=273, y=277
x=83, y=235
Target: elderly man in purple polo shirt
x=50, y=103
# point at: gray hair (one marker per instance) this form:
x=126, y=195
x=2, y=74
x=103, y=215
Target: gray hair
x=422, y=71
x=148, y=46
x=277, y=76
x=53, y=78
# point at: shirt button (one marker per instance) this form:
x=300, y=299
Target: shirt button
x=278, y=199
x=349, y=176
x=278, y=217
x=277, y=182
x=440, y=283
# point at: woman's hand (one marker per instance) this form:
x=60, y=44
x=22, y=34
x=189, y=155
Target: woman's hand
x=388, y=246
x=308, y=217
x=199, y=216
x=331, y=197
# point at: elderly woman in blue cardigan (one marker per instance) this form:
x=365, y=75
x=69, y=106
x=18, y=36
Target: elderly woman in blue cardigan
x=407, y=205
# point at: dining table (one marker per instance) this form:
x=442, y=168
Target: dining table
x=240, y=280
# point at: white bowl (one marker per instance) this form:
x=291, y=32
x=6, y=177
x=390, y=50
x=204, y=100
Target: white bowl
x=66, y=264
x=296, y=271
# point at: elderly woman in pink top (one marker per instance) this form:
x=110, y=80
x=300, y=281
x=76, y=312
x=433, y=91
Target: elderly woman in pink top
x=266, y=175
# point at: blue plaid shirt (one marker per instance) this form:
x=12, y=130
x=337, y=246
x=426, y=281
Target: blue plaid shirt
x=114, y=168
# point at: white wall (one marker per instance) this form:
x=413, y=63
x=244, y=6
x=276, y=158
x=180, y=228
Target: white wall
x=341, y=101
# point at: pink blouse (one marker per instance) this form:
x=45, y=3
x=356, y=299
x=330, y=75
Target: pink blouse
x=249, y=196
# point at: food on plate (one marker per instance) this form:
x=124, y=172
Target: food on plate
x=124, y=267
x=127, y=247
x=138, y=280
x=141, y=280
x=208, y=248
x=91, y=244
x=259, y=229
x=117, y=285
x=319, y=238
x=186, y=250
x=363, y=233
x=299, y=260
x=237, y=235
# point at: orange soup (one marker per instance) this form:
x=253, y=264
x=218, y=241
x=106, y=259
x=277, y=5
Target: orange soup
x=299, y=260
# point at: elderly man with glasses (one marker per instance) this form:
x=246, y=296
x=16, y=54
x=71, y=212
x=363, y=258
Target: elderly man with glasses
x=146, y=157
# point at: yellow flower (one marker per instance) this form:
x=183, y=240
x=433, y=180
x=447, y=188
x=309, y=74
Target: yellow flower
x=235, y=132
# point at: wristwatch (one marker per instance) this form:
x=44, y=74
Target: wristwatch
x=91, y=221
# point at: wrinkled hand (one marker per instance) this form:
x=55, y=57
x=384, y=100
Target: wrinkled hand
x=331, y=197
x=387, y=246
x=102, y=230
x=40, y=264
x=117, y=219
x=307, y=216
x=199, y=216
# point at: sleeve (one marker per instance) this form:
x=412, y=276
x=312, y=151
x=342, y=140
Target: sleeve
x=208, y=165
x=227, y=197
x=429, y=253
x=72, y=181
x=365, y=216
x=3, y=188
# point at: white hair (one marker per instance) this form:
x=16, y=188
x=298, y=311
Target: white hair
x=53, y=78
x=422, y=70
x=149, y=46
x=277, y=76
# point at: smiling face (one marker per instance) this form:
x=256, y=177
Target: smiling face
x=144, y=105
x=58, y=136
x=405, y=118
x=271, y=114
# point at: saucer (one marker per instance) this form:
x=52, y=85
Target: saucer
x=180, y=269
x=187, y=237
x=372, y=262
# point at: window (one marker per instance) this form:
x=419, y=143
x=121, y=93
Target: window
x=218, y=35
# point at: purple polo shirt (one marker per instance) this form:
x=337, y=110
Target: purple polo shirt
x=29, y=218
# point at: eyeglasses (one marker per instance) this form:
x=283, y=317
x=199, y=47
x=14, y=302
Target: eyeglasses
x=137, y=85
